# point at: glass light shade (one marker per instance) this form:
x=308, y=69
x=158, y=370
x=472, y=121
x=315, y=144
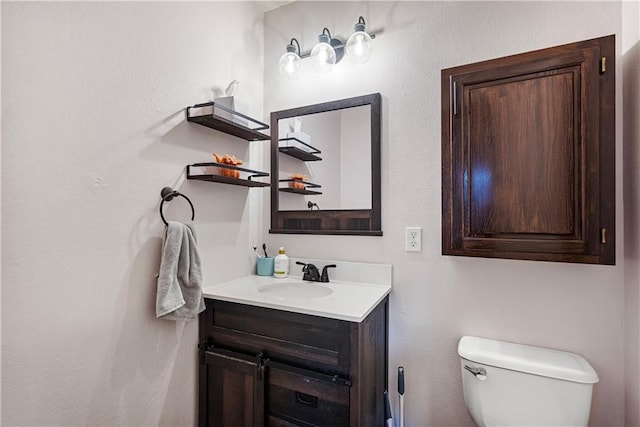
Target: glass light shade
x=359, y=47
x=289, y=65
x=323, y=57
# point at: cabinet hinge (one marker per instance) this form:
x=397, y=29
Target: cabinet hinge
x=603, y=236
x=261, y=363
x=603, y=65
x=454, y=97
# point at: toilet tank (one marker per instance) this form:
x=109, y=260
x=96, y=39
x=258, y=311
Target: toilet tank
x=508, y=384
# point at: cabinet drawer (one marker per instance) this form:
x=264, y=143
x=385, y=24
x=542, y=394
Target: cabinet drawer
x=300, y=397
x=303, y=340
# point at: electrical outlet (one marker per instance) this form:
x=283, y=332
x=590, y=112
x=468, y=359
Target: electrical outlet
x=413, y=239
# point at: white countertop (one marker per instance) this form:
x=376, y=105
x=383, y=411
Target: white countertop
x=350, y=300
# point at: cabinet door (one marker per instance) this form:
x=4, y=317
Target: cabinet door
x=234, y=390
x=528, y=167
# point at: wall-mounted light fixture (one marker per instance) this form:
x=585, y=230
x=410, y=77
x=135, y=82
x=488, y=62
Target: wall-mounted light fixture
x=359, y=44
x=323, y=54
x=329, y=51
x=290, y=60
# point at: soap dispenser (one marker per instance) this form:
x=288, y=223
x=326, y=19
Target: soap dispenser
x=281, y=264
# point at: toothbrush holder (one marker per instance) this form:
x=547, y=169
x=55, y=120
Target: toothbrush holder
x=264, y=266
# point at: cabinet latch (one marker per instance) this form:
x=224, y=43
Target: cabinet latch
x=205, y=346
x=603, y=236
x=342, y=381
x=603, y=65
x=260, y=365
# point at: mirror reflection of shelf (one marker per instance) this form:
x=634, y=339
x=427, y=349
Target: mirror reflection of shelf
x=223, y=119
x=302, y=187
x=298, y=149
x=226, y=174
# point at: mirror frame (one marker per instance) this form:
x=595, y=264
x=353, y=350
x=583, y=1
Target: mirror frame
x=357, y=222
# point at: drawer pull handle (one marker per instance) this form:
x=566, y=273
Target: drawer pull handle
x=306, y=399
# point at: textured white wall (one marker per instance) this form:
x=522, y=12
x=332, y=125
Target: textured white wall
x=631, y=129
x=92, y=128
x=438, y=299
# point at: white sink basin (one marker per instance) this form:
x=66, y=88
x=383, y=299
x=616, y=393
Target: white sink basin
x=295, y=290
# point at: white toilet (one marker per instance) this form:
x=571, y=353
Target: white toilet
x=509, y=384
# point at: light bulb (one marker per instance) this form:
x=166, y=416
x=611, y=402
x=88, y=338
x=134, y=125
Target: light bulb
x=323, y=57
x=289, y=65
x=359, y=45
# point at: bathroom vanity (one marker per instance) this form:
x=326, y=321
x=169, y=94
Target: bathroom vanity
x=287, y=353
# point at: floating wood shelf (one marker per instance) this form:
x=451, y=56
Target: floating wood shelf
x=231, y=127
x=306, y=190
x=300, y=191
x=214, y=177
x=298, y=152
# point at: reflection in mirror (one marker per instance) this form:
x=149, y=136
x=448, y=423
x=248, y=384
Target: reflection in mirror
x=341, y=140
x=325, y=168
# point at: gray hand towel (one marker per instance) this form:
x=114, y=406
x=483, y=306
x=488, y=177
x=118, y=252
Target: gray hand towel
x=179, y=295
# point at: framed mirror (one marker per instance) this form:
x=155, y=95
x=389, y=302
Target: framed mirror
x=325, y=168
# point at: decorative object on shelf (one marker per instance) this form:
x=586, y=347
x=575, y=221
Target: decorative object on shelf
x=229, y=102
x=232, y=88
x=298, y=181
x=168, y=194
x=228, y=160
x=202, y=172
x=328, y=51
x=297, y=143
x=207, y=114
x=295, y=131
x=299, y=186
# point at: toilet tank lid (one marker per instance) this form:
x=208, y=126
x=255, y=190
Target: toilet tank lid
x=524, y=358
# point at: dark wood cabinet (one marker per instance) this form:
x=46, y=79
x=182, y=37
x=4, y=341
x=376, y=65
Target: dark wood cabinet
x=261, y=366
x=528, y=155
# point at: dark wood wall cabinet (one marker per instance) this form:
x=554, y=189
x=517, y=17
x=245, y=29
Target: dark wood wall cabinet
x=528, y=155
x=266, y=367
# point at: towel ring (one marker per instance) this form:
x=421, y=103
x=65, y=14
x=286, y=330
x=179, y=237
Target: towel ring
x=167, y=194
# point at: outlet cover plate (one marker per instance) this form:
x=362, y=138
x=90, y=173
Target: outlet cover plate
x=413, y=239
